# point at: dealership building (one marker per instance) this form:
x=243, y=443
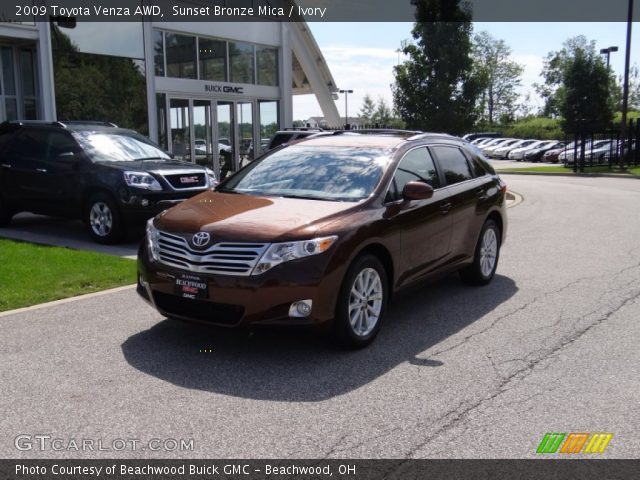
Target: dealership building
x=211, y=93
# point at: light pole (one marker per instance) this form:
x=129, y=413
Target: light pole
x=607, y=52
x=346, y=111
x=625, y=90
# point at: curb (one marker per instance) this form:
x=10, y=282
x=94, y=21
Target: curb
x=555, y=174
x=66, y=300
x=514, y=199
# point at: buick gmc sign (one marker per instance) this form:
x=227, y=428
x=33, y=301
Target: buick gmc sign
x=213, y=88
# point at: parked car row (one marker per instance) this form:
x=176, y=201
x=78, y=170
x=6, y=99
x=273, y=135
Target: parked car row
x=530, y=150
x=596, y=151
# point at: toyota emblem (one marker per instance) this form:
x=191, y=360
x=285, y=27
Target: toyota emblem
x=201, y=239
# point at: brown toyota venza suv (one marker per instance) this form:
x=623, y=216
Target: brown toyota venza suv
x=325, y=231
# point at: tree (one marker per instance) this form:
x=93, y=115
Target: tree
x=368, y=109
x=555, y=67
x=435, y=88
x=383, y=114
x=578, y=86
x=634, y=88
x=585, y=100
x=499, y=78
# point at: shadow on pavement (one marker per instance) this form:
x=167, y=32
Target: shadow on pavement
x=305, y=367
x=61, y=232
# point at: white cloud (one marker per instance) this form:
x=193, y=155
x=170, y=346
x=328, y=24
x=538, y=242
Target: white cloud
x=361, y=69
x=370, y=70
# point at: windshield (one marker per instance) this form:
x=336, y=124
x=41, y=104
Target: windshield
x=319, y=173
x=121, y=146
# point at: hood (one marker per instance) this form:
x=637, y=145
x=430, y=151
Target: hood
x=237, y=217
x=154, y=165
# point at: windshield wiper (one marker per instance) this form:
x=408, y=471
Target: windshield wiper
x=307, y=197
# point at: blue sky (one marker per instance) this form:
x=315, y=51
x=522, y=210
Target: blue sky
x=361, y=56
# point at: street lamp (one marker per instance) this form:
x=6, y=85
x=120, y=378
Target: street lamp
x=346, y=111
x=607, y=52
x=625, y=89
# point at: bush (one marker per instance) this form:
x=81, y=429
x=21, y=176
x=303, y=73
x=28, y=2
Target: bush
x=541, y=128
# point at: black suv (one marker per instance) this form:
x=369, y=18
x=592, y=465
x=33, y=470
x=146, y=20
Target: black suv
x=109, y=177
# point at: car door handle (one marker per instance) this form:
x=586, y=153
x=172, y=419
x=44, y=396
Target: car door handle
x=5, y=165
x=445, y=207
x=41, y=170
x=480, y=193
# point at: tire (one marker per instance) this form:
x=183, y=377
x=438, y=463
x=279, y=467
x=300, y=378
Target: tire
x=6, y=214
x=103, y=219
x=353, y=327
x=486, y=255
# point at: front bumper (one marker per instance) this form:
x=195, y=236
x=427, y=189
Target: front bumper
x=245, y=301
x=139, y=207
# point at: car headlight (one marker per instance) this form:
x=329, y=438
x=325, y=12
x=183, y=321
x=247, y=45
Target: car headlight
x=152, y=240
x=142, y=180
x=211, y=175
x=284, y=252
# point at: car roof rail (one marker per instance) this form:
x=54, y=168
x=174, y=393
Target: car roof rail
x=379, y=131
x=89, y=122
x=425, y=135
x=21, y=123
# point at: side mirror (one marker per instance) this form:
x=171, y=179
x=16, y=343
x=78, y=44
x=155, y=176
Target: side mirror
x=417, y=191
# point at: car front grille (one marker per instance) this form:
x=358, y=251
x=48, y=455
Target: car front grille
x=202, y=310
x=226, y=258
x=185, y=181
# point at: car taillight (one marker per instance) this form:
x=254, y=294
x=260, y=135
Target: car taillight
x=503, y=186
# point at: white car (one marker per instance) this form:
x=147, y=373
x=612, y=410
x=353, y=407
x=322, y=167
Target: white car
x=492, y=151
x=519, y=153
x=503, y=152
x=569, y=155
x=201, y=147
x=490, y=146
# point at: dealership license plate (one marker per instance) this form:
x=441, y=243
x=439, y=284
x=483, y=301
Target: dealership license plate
x=191, y=286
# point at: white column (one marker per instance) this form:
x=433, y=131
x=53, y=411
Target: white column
x=150, y=75
x=285, y=78
x=45, y=68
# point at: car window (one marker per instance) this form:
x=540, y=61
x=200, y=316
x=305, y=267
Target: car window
x=5, y=136
x=416, y=166
x=31, y=143
x=319, y=173
x=60, y=143
x=118, y=146
x=279, y=139
x=453, y=163
x=477, y=168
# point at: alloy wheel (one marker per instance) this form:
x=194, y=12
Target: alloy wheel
x=365, y=302
x=101, y=219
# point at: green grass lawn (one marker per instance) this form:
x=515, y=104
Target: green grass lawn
x=32, y=274
x=560, y=169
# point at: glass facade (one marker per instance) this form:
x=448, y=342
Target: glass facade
x=158, y=52
x=213, y=59
x=177, y=55
x=241, y=62
x=267, y=65
x=19, y=95
x=180, y=55
x=98, y=87
x=268, y=111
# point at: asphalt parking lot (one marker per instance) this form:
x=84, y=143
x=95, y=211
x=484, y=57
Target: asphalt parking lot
x=549, y=346
x=61, y=232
